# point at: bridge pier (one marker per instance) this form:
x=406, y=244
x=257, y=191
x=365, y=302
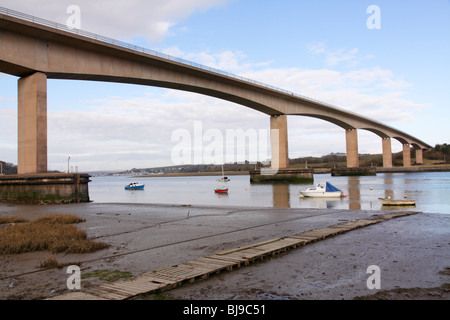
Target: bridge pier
x=279, y=171
x=33, y=184
x=353, y=168
x=419, y=156
x=406, y=155
x=351, y=138
x=387, y=153
x=32, y=124
x=279, y=142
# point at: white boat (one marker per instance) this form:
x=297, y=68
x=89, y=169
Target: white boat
x=392, y=202
x=223, y=179
x=323, y=190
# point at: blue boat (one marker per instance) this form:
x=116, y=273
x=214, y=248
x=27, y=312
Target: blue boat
x=135, y=186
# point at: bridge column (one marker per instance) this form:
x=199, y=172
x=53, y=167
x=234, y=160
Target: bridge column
x=351, y=138
x=419, y=156
x=32, y=124
x=406, y=155
x=387, y=153
x=279, y=141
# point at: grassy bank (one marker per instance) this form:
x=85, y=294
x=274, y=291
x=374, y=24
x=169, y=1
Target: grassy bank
x=55, y=233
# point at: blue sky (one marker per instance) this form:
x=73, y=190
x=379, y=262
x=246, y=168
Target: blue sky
x=398, y=74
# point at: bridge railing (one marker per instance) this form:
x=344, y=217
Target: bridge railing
x=122, y=44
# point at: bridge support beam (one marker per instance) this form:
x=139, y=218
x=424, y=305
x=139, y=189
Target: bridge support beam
x=406, y=155
x=351, y=137
x=387, y=153
x=279, y=142
x=32, y=124
x=419, y=156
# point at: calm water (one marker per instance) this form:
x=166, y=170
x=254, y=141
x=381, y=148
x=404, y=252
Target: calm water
x=431, y=190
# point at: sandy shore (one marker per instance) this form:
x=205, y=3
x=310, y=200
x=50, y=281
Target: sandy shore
x=412, y=252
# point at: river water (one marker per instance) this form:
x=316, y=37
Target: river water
x=431, y=190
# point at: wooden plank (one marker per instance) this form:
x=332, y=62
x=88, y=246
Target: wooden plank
x=208, y=267
x=180, y=273
x=245, y=247
x=236, y=255
x=228, y=264
x=182, y=270
x=283, y=244
x=126, y=292
x=135, y=288
x=216, y=262
x=251, y=254
x=162, y=279
x=320, y=233
x=106, y=294
x=237, y=261
x=362, y=223
x=76, y=296
x=300, y=240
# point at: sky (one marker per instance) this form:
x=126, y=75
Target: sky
x=390, y=64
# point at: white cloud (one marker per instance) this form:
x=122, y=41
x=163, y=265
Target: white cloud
x=349, y=57
x=121, y=133
x=371, y=92
x=117, y=19
x=225, y=61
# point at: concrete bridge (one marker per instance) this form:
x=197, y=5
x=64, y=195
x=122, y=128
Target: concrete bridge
x=35, y=50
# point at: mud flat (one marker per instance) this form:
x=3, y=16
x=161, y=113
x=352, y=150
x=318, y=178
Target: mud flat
x=411, y=251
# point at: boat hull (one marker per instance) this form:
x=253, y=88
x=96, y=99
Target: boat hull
x=135, y=187
x=323, y=190
x=391, y=202
x=221, y=190
x=321, y=194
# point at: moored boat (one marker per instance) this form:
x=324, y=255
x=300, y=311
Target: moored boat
x=223, y=179
x=323, y=190
x=393, y=202
x=221, y=190
x=134, y=186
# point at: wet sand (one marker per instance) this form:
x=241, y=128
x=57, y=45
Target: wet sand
x=412, y=252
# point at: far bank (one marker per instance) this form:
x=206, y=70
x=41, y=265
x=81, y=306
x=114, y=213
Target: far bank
x=317, y=170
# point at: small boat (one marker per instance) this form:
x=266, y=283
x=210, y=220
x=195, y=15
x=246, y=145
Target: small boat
x=223, y=179
x=134, y=186
x=392, y=202
x=321, y=191
x=221, y=190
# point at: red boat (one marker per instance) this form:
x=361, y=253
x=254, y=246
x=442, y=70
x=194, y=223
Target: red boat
x=221, y=190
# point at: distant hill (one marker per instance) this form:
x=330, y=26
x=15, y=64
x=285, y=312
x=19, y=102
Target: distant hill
x=438, y=155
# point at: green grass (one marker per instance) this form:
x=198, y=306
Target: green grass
x=108, y=275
